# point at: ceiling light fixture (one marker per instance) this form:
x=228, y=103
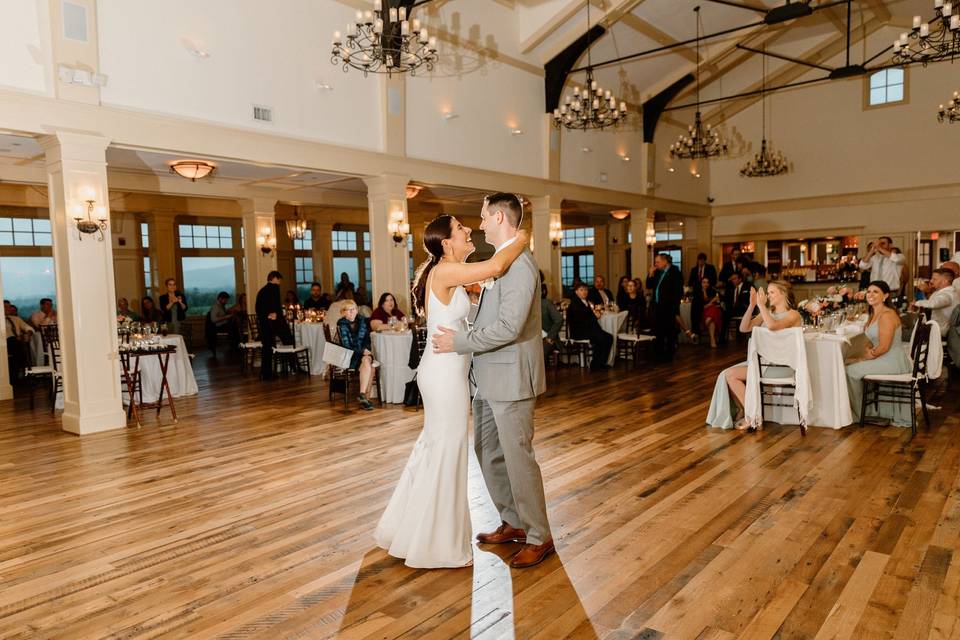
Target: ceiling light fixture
x=297, y=226
x=620, y=214
x=699, y=142
x=950, y=113
x=591, y=107
x=516, y=131
x=766, y=163
x=923, y=45
x=192, y=170
x=384, y=42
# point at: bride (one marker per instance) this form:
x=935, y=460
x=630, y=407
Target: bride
x=427, y=521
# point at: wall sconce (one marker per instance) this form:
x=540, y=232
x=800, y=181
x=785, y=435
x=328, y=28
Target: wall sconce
x=266, y=241
x=398, y=227
x=88, y=224
x=556, y=233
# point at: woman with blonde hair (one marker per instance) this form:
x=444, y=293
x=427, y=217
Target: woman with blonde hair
x=353, y=331
x=777, y=311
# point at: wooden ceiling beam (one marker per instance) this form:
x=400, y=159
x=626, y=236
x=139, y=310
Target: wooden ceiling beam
x=643, y=27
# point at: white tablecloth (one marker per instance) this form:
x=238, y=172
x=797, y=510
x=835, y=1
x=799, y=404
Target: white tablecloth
x=685, y=313
x=611, y=323
x=36, y=349
x=830, y=400
x=392, y=350
x=310, y=334
x=179, y=372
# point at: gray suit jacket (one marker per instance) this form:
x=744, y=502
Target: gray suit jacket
x=505, y=339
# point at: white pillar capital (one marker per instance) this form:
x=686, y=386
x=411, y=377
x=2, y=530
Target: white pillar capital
x=546, y=218
x=69, y=145
x=259, y=205
x=386, y=186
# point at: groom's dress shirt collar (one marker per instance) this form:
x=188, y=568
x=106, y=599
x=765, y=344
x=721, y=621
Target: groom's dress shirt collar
x=505, y=245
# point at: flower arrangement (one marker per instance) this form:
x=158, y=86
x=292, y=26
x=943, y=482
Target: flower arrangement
x=836, y=299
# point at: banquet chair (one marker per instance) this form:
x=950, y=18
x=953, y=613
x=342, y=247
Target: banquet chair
x=292, y=356
x=578, y=348
x=420, y=335
x=340, y=380
x=50, y=367
x=252, y=347
x=630, y=340
x=902, y=388
x=778, y=392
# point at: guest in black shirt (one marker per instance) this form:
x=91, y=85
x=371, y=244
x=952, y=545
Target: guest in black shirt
x=730, y=266
x=635, y=304
x=272, y=322
x=550, y=322
x=582, y=324
x=173, y=305
x=737, y=297
x=700, y=271
x=599, y=294
x=622, y=292
x=316, y=300
x=149, y=311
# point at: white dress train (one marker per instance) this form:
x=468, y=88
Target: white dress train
x=427, y=521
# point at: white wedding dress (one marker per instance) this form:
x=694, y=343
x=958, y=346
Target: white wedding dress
x=427, y=521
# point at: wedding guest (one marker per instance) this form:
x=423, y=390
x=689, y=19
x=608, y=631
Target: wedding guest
x=759, y=273
x=667, y=288
x=883, y=263
x=634, y=304
x=582, y=324
x=942, y=299
x=291, y=299
x=219, y=320
x=712, y=314
x=622, y=291
x=239, y=309
x=730, y=266
x=333, y=312
x=700, y=271
x=360, y=297
x=123, y=309
x=45, y=315
x=173, y=305
x=885, y=356
x=777, y=309
x=865, y=272
x=550, y=323
x=954, y=268
x=737, y=297
x=316, y=300
x=386, y=308
x=272, y=322
x=344, y=284
x=149, y=311
x=599, y=294
x=19, y=334
x=354, y=333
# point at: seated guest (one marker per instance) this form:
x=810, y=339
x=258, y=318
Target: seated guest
x=886, y=356
x=942, y=299
x=344, y=284
x=759, y=274
x=353, y=331
x=123, y=309
x=220, y=320
x=550, y=323
x=316, y=300
x=700, y=271
x=954, y=268
x=621, y=291
x=711, y=314
x=737, y=297
x=634, y=303
x=45, y=315
x=386, y=309
x=333, y=313
x=777, y=312
x=19, y=334
x=149, y=311
x=599, y=294
x=582, y=324
x=239, y=309
x=291, y=299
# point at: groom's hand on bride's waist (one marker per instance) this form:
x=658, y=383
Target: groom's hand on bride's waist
x=443, y=341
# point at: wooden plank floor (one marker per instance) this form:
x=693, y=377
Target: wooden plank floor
x=252, y=518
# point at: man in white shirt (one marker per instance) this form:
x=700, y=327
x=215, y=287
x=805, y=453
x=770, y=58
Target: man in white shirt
x=46, y=315
x=954, y=267
x=942, y=301
x=883, y=263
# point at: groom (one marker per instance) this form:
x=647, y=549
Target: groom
x=508, y=367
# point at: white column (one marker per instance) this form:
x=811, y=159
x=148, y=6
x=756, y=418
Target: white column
x=387, y=201
x=617, y=252
x=6, y=391
x=77, y=172
x=323, y=255
x=546, y=219
x=640, y=254
x=259, y=222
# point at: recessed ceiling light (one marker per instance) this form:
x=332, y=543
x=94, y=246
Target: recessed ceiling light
x=586, y=149
x=450, y=115
x=696, y=175
x=516, y=131
x=625, y=158
x=671, y=169
x=323, y=86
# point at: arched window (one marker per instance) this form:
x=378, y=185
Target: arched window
x=887, y=86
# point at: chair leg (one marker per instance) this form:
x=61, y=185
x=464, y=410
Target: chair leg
x=923, y=404
x=379, y=388
x=863, y=401
x=913, y=412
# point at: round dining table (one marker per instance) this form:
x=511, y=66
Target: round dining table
x=180, y=376
x=392, y=350
x=310, y=335
x=611, y=321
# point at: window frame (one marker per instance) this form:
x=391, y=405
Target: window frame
x=884, y=105
x=236, y=252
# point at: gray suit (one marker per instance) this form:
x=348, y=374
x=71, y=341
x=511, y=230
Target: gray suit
x=508, y=368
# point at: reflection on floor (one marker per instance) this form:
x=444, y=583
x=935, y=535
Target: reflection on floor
x=252, y=518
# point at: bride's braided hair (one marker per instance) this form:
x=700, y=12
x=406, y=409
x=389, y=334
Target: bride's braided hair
x=433, y=236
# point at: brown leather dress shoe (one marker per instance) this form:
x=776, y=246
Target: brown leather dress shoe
x=504, y=533
x=532, y=554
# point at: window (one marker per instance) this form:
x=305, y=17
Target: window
x=676, y=255
x=667, y=231
x=304, y=244
x=144, y=235
x=304, y=268
x=200, y=236
x=348, y=265
x=344, y=240
x=368, y=269
x=366, y=241
x=576, y=266
x=887, y=86
x=147, y=278
x=25, y=232
x=26, y=280
x=580, y=237
x=204, y=277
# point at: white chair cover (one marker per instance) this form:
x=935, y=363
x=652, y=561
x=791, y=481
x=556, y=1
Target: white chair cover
x=934, y=352
x=784, y=347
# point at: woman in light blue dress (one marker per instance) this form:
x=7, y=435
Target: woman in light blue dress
x=781, y=314
x=887, y=356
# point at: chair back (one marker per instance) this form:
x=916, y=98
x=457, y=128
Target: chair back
x=49, y=334
x=253, y=327
x=766, y=352
x=420, y=335
x=52, y=341
x=632, y=325
x=919, y=348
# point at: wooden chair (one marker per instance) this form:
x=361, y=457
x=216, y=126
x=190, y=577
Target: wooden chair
x=50, y=367
x=252, y=347
x=778, y=392
x=630, y=340
x=420, y=335
x=902, y=388
x=291, y=356
x=578, y=348
x=342, y=380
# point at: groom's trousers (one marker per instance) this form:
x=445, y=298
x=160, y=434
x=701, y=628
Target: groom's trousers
x=503, y=440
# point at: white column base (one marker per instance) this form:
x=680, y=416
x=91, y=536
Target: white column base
x=6, y=391
x=108, y=420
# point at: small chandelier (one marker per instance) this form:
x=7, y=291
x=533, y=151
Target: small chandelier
x=950, y=113
x=296, y=226
x=192, y=170
x=87, y=225
x=699, y=141
x=384, y=42
x=923, y=45
x=591, y=107
x=766, y=163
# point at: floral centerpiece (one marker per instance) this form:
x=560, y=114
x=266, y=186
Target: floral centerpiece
x=836, y=299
